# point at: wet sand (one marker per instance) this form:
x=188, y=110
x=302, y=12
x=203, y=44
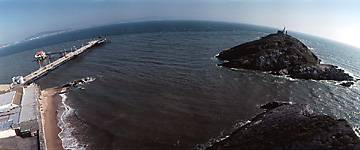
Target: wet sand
x=49, y=101
x=4, y=88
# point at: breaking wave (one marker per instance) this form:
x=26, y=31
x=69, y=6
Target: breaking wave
x=67, y=139
x=43, y=35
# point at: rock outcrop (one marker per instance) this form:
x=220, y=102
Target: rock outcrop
x=347, y=84
x=281, y=54
x=288, y=126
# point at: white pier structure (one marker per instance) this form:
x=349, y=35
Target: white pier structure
x=53, y=65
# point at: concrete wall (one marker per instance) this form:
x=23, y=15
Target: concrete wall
x=28, y=104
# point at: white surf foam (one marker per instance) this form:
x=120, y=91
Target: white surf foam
x=67, y=139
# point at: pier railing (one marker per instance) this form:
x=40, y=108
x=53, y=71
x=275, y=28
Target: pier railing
x=53, y=65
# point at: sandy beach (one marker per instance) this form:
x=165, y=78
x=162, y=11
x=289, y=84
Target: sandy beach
x=49, y=101
x=4, y=88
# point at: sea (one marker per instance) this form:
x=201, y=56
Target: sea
x=158, y=85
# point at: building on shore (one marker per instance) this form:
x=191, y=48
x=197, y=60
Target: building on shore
x=19, y=119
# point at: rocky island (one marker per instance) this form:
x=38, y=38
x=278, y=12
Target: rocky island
x=287, y=126
x=281, y=54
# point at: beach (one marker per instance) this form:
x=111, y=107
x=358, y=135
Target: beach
x=49, y=101
x=4, y=88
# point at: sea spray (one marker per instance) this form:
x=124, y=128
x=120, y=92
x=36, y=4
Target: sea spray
x=68, y=140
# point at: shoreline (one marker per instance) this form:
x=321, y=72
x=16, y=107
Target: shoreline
x=49, y=103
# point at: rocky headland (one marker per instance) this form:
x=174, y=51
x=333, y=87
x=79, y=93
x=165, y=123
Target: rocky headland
x=281, y=54
x=289, y=126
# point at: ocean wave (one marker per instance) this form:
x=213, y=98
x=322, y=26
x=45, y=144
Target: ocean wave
x=67, y=139
x=40, y=36
x=9, y=44
x=43, y=35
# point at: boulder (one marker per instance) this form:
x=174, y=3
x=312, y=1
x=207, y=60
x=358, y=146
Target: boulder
x=288, y=126
x=347, y=84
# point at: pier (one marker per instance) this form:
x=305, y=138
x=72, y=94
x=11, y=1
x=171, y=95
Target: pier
x=21, y=116
x=53, y=65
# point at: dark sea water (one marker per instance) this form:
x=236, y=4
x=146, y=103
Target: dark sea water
x=158, y=87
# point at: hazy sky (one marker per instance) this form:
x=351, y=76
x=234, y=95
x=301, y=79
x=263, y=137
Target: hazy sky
x=334, y=19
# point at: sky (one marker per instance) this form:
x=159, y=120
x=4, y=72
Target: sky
x=333, y=19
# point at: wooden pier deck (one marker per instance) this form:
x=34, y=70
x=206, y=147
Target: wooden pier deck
x=45, y=69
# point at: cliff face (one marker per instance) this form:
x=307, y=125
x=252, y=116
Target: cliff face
x=289, y=126
x=281, y=54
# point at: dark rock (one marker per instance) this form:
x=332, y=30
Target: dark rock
x=272, y=105
x=78, y=83
x=347, y=84
x=281, y=54
x=289, y=126
x=319, y=72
